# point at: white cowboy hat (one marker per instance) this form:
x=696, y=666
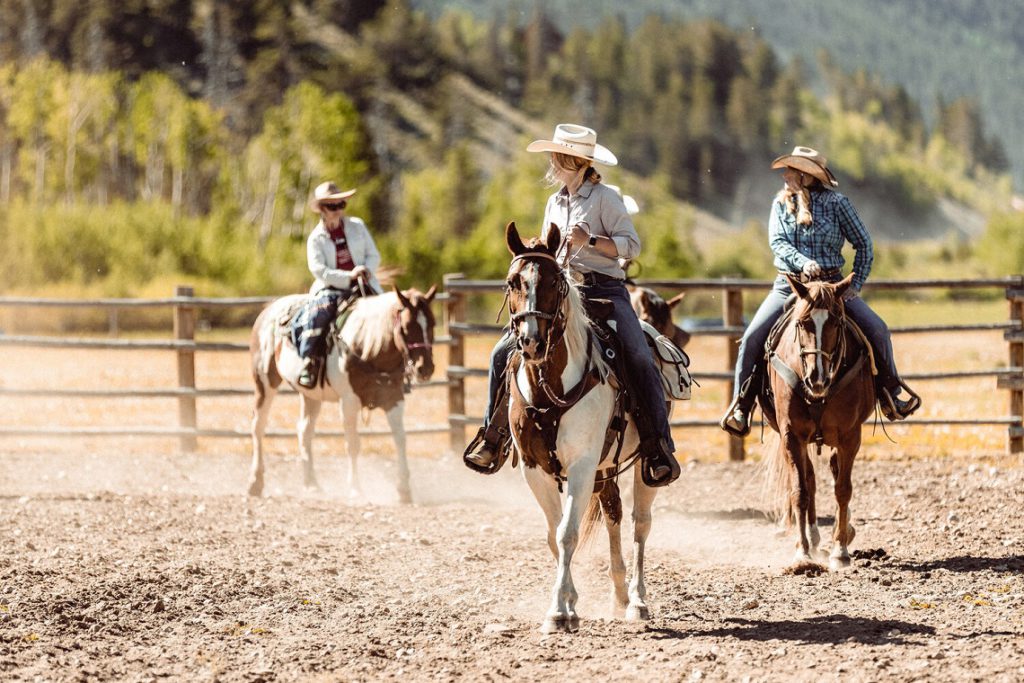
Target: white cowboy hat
x=576, y=141
x=809, y=161
x=326, y=192
x=632, y=208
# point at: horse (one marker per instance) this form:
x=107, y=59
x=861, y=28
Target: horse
x=821, y=391
x=559, y=374
x=652, y=308
x=385, y=342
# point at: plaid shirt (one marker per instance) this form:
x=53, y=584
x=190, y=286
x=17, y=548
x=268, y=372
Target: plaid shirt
x=835, y=222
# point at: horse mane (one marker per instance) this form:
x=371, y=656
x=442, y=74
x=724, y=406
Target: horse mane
x=577, y=326
x=371, y=324
x=819, y=295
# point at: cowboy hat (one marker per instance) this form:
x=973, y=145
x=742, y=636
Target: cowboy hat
x=576, y=141
x=326, y=192
x=810, y=161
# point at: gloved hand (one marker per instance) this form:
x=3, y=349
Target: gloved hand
x=812, y=269
x=851, y=293
x=361, y=273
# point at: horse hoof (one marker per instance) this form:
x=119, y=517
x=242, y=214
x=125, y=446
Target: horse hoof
x=839, y=562
x=561, y=624
x=405, y=496
x=638, y=613
x=256, y=489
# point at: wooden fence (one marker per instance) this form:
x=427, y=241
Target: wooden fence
x=1009, y=378
x=184, y=345
x=458, y=328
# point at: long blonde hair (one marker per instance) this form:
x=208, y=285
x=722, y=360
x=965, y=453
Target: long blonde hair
x=798, y=203
x=580, y=168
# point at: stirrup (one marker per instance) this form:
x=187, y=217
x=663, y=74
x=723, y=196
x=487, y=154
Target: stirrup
x=895, y=409
x=481, y=445
x=736, y=420
x=658, y=466
x=308, y=375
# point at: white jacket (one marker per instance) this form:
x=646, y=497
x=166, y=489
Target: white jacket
x=322, y=256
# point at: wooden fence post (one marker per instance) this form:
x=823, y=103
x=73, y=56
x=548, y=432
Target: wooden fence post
x=732, y=315
x=1015, y=296
x=455, y=311
x=185, y=331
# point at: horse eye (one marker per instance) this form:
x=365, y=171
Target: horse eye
x=513, y=282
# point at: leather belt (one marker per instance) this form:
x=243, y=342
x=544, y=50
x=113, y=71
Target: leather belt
x=825, y=274
x=595, y=278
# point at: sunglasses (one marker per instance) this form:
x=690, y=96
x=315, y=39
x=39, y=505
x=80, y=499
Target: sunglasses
x=334, y=207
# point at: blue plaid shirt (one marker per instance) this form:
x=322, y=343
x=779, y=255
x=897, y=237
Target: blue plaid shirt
x=835, y=221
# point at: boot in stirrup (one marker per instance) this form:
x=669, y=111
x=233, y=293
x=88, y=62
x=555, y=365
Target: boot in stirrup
x=308, y=374
x=487, y=452
x=658, y=466
x=895, y=408
x=736, y=420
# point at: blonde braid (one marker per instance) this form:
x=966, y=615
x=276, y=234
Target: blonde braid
x=802, y=207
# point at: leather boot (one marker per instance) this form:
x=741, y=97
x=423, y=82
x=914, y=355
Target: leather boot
x=487, y=452
x=893, y=407
x=736, y=420
x=658, y=465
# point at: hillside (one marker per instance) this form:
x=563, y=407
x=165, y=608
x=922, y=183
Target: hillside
x=933, y=48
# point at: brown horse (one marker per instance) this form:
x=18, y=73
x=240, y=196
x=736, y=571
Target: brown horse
x=386, y=341
x=562, y=399
x=652, y=308
x=821, y=391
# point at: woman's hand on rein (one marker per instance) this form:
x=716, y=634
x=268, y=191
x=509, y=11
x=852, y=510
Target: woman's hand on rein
x=580, y=235
x=851, y=293
x=812, y=269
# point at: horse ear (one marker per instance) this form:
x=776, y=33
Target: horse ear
x=553, y=238
x=797, y=286
x=402, y=298
x=844, y=285
x=676, y=300
x=429, y=296
x=512, y=239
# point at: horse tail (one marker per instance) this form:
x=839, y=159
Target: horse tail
x=778, y=481
x=604, y=503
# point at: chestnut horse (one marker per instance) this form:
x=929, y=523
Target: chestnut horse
x=562, y=398
x=822, y=391
x=652, y=308
x=385, y=342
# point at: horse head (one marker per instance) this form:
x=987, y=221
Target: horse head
x=652, y=308
x=414, y=330
x=820, y=321
x=536, y=289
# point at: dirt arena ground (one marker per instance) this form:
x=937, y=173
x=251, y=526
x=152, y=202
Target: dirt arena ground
x=125, y=560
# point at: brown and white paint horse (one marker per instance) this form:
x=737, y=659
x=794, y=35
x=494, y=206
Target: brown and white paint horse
x=385, y=339
x=652, y=308
x=557, y=353
x=822, y=388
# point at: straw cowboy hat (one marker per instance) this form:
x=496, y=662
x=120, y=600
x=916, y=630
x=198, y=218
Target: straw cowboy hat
x=807, y=160
x=576, y=141
x=326, y=192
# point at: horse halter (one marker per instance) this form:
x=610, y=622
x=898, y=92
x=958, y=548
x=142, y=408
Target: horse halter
x=562, y=292
x=407, y=348
x=830, y=358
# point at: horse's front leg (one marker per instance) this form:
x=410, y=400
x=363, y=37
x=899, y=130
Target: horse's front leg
x=261, y=410
x=643, y=501
x=579, y=489
x=842, y=470
x=309, y=410
x=545, y=490
x=350, y=417
x=395, y=421
x=813, y=534
x=796, y=454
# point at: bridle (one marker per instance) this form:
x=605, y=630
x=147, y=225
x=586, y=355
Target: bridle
x=559, y=315
x=405, y=346
x=830, y=358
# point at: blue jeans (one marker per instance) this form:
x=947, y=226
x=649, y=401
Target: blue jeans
x=650, y=395
x=754, y=337
x=311, y=325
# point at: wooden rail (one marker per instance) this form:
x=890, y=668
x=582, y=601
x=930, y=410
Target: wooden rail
x=1010, y=379
x=184, y=345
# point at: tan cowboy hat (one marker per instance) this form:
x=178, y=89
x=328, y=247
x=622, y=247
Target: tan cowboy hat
x=576, y=141
x=807, y=160
x=326, y=192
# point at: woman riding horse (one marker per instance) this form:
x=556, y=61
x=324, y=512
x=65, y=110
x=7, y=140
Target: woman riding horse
x=596, y=231
x=808, y=225
x=341, y=256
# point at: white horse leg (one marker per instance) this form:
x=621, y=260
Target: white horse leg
x=350, y=416
x=259, y=427
x=580, y=487
x=616, y=566
x=545, y=490
x=309, y=410
x=398, y=434
x=643, y=500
